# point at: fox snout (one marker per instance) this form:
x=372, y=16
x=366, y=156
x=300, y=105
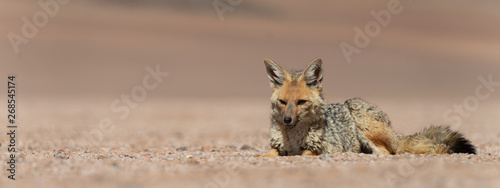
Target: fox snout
x=288, y=115
x=289, y=122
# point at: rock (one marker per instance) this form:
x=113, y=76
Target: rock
x=325, y=156
x=247, y=147
x=181, y=149
x=61, y=155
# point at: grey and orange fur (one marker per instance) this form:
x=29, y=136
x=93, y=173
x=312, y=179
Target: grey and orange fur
x=303, y=124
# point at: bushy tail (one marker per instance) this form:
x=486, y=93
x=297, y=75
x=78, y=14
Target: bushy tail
x=435, y=140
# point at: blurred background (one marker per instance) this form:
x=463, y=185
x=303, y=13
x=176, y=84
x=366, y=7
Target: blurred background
x=86, y=55
x=100, y=47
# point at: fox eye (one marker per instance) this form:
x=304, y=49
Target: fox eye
x=301, y=102
x=282, y=102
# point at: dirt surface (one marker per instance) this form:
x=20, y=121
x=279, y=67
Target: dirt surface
x=201, y=123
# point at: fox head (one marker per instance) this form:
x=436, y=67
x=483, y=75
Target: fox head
x=296, y=97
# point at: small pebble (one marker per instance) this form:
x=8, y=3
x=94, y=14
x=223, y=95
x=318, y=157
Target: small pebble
x=181, y=149
x=325, y=156
x=61, y=156
x=246, y=147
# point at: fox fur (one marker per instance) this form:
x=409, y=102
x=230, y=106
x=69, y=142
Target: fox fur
x=302, y=123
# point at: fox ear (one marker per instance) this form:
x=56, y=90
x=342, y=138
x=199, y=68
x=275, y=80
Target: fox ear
x=275, y=73
x=313, y=74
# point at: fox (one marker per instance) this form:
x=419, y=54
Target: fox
x=302, y=123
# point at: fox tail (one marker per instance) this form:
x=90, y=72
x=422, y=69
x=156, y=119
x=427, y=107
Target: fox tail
x=435, y=140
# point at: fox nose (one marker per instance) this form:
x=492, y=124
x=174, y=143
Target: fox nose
x=287, y=120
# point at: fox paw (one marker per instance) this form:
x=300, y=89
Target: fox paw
x=272, y=153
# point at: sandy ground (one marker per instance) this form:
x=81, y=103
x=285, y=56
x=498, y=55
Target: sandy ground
x=201, y=125
x=191, y=143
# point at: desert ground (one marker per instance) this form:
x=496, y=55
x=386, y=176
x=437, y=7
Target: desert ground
x=87, y=118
